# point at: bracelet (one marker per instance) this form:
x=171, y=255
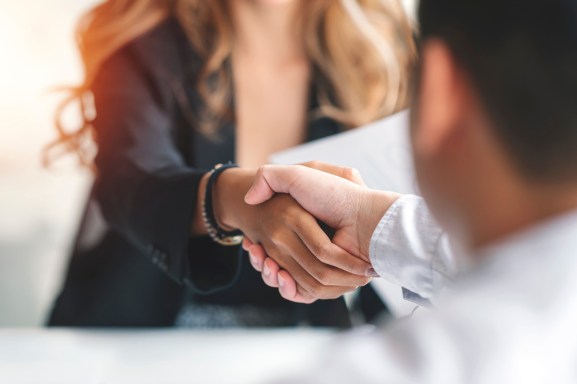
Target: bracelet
x=216, y=233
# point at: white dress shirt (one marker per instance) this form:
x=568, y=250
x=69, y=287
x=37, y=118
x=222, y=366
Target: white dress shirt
x=511, y=319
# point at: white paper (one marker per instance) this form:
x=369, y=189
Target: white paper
x=381, y=151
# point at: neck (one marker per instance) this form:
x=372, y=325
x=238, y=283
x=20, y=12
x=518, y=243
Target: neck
x=266, y=31
x=512, y=209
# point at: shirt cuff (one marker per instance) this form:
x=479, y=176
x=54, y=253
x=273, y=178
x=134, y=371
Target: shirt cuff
x=405, y=244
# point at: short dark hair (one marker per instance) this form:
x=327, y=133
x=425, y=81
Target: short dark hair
x=521, y=56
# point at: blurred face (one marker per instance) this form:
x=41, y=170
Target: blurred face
x=465, y=172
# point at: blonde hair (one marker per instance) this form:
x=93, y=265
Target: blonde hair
x=363, y=49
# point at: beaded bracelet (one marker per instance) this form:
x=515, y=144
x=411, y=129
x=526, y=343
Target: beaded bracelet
x=218, y=234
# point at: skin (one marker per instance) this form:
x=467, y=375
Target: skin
x=271, y=76
x=457, y=156
x=271, y=79
x=348, y=207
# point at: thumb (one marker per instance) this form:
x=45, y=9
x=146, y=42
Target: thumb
x=347, y=173
x=269, y=179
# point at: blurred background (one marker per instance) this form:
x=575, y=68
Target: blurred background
x=39, y=209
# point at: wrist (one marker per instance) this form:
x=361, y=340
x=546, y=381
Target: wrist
x=374, y=206
x=228, y=197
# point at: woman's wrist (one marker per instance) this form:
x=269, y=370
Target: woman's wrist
x=228, y=197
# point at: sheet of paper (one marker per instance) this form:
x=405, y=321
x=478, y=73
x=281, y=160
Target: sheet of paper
x=381, y=151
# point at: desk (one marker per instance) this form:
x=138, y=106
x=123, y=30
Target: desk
x=62, y=356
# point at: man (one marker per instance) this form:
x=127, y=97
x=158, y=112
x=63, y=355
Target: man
x=494, y=135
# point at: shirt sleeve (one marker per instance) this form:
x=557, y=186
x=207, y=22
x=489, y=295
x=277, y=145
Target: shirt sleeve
x=145, y=188
x=409, y=248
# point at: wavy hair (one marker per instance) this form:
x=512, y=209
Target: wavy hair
x=363, y=51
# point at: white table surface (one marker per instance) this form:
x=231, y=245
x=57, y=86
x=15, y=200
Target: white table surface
x=62, y=356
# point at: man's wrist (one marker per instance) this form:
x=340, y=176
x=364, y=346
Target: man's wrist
x=374, y=206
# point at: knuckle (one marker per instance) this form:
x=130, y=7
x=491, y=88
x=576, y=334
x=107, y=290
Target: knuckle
x=357, y=269
x=292, y=213
x=322, y=276
x=315, y=164
x=323, y=293
x=277, y=237
x=350, y=173
x=304, y=225
x=322, y=252
x=306, y=294
x=260, y=171
x=316, y=290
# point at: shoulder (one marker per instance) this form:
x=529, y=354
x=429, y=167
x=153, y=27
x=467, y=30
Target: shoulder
x=163, y=52
x=165, y=48
x=149, y=65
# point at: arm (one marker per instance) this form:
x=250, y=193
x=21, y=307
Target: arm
x=148, y=193
x=144, y=187
x=409, y=248
x=396, y=234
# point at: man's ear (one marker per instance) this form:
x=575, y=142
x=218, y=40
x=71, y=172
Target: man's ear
x=440, y=101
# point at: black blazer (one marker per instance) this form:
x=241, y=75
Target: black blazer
x=134, y=262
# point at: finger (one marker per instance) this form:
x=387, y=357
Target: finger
x=348, y=173
x=246, y=243
x=301, y=292
x=311, y=284
x=318, y=243
x=326, y=273
x=329, y=198
x=293, y=289
x=270, y=271
x=257, y=256
x=288, y=289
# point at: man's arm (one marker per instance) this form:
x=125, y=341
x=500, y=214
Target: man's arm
x=409, y=249
x=396, y=234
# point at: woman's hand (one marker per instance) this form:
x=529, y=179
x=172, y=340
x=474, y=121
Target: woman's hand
x=290, y=236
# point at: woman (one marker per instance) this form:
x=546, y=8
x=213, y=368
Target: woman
x=175, y=87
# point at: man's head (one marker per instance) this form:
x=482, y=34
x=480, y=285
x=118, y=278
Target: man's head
x=495, y=127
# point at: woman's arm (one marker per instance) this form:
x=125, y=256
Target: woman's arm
x=144, y=187
x=148, y=193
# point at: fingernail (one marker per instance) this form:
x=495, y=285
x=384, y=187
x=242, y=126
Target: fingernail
x=248, y=193
x=280, y=280
x=252, y=258
x=266, y=270
x=371, y=273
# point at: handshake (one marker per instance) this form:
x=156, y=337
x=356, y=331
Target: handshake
x=285, y=241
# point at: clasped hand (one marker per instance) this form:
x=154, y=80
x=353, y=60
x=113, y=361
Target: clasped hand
x=312, y=266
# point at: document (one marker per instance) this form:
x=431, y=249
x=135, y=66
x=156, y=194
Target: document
x=381, y=152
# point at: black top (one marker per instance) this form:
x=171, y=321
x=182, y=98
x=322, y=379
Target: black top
x=134, y=261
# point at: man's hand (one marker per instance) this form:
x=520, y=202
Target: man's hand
x=352, y=210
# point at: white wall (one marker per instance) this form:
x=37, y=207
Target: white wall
x=38, y=209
